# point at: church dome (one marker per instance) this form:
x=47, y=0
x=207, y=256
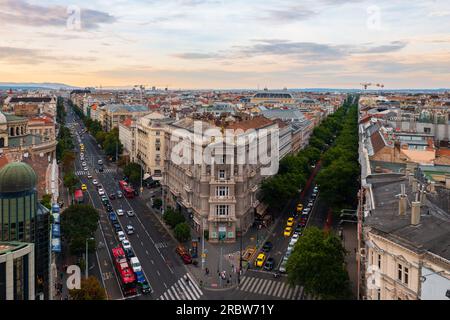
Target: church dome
x=17, y=177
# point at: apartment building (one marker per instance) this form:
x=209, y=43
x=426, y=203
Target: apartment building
x=220, y=194
x=405, y=236
x=150, y=143
x=127, y=133
x=43, y=126
x=112, y=114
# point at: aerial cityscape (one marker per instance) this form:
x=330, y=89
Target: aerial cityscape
x=224, y=151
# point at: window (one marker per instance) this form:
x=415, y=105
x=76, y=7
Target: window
x=221, y=174
x=403, y=274
x=400, y=269
x=222, y=210
x=427, y=130
x=379, y=294
x=222, y=191
x=379, y=261
x=157, y=133
x=405, y=279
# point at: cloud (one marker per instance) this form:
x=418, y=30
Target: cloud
x=391, y=47
x=20, y=12
x=290, y=14
x=25, y=56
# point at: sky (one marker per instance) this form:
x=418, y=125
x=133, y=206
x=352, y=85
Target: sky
x=227, y=44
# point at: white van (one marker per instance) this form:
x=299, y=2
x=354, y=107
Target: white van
x=135, y=264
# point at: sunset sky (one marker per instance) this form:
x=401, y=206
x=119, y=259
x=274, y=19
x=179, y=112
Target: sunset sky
x=227, y=43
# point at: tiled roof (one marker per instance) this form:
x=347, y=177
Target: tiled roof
x=377, y=141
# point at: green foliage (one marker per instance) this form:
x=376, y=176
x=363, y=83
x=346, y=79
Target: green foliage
x=317, y=263
x=60, y=111
x=172, y=217
x=46, y=201
x=133, y=172
x=71, y=180
x=182, y=232
x=112, y=144
x=78, y=223
x=90, y=290
x=157, y=203
x=65, y=142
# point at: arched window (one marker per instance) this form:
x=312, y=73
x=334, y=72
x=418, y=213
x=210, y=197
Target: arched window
x=11, y=132
x=2, y=142
x=21, y=131
x=17, y=131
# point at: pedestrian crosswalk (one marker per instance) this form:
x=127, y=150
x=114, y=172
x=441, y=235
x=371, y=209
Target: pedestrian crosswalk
x=83, y=173
x=160, y=245
x=183, y=290
x=268, y=287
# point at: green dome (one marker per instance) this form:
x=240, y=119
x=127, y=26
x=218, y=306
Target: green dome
x=17, y=177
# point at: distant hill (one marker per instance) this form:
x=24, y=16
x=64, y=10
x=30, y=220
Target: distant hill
x=33, y=85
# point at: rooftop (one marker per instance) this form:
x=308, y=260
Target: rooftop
x=432, y=234
x=10, y=246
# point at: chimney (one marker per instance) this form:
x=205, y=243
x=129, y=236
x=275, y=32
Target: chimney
x=414, y=185
x=402, y=203
x=415, y=213
x=433, y=187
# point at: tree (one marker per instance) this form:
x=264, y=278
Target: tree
x=172, y=217
x=71, y=180
x=182, y=232
x=90, y=290
x=112, y=144
x=46, y=201
x=79, y=223
x=68, y=159
x=317, y=263
x=157, y=203
x=133, y=172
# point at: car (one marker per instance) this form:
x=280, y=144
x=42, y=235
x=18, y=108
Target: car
x=126, y=244
x=100, y=161
x=112, y=216
x=81, y=154
x=121, y=235
x=187, y=259
x=83, y=164
x=302, y=223
x=130, y=229
x=283, y=264
x=135, y=264
x=142, y=282
x=99, y=186
x=316, y=189
x=85, y=169
x=293, y=241
x=295, y=237
x=287, y=231
x=290, y=222
x=117, y=227
x=298, y=230
x=299, y=207
x=112, y=196
x=109, y=208
x=129, y=253
x=269, y=265
x=310, y=203
x=267, y=246
x=89, y=176
x=82, y=158
x=260, y=259
x=94, y=182
x=100, y=169
x=83, y=187
x=306, y=211
x=101, y=192
x=289, y=250
x=105, y=200
x=130, y=213
x=181, y=250
x=119, y=194
x=119, y=212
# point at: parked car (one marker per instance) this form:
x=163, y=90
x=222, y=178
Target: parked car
x=142, y=283
x=287, y=231
x=116, y=226
x=112, y=196
x=290, y=222
x=101, y=192
x=270, y=264
x=119, y=194
x=112, y=216
x=181, y=250
x=119, y=212
x=187, y=259
x=282, y=268
x=129, y=253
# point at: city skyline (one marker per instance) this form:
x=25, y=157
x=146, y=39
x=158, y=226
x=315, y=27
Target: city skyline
x=226, y=44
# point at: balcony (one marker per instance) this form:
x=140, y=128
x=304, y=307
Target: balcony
x=222, y=199
x=222, y=181
x=187, y=188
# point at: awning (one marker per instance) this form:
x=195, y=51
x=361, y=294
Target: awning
x=261, y=208
x=146, y=176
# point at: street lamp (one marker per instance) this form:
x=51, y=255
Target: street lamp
x=86, y=262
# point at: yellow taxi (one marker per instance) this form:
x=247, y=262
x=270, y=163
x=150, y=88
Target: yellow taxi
x=299, y=207
x=290, y=222
x=287, y=231
x=260, y=259
x=83, y=187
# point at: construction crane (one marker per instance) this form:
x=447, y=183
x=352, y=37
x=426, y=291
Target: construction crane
x=141, y=87
x=365, y=85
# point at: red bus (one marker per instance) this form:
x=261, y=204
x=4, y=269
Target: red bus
x=78, y=196
x=127, y=190
x=126, y=275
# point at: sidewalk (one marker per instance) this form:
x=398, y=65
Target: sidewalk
x=349, y=240
x=221, y=267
